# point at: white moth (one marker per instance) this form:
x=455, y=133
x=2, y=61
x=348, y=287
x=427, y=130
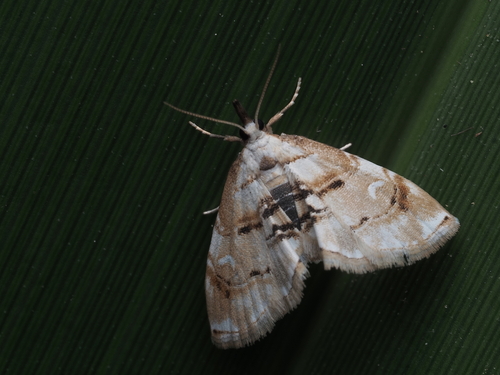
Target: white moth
x=289, y=201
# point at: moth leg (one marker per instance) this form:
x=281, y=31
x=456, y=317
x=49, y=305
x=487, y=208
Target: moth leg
x=211, y=211
x=345, y=147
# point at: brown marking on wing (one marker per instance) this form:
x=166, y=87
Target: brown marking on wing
x=394, y=196
x=267, y=163
x=301, y=193
x=287, y=231
x=261, y=273
x=221, y=284
x=283, y=227
x=402, y=193
x=286, y=236
x=336, y=184
x=270, y=210
x=249, y=180
x=363, y=220
x=444, y=222
x=249, y=227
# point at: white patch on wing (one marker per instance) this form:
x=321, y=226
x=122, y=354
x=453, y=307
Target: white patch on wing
x=228, y=259
x=372, y=188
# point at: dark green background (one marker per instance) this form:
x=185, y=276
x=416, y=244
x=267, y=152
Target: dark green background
x=103, y=245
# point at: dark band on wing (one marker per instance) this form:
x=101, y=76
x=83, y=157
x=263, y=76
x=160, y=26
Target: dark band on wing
x=260, y=273
x=337, y=184
x=402, y=194
x=270, y=210
x=444, y=222
x=221, y=284
x=284, y=197
x=249, y=227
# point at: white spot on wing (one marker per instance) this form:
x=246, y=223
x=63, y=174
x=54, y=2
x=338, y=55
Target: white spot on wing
x=372, y=189
x=228, y=259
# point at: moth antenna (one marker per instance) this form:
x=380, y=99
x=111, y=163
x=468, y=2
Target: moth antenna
x=229, y=138
x=267, y=84
x=278, y=115
x=205, y=118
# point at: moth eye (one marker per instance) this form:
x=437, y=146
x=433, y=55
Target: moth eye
x=244, y=135
x=261, y=124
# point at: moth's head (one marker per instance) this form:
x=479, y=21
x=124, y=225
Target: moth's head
x=252, y=128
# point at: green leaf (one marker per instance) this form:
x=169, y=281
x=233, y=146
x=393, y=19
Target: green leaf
x=103, y=241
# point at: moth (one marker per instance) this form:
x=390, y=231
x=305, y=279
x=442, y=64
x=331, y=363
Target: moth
x=289, y=201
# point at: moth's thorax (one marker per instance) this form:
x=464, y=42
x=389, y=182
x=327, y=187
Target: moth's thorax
x=259, y=155
x=258, y=139
x=253, y=131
